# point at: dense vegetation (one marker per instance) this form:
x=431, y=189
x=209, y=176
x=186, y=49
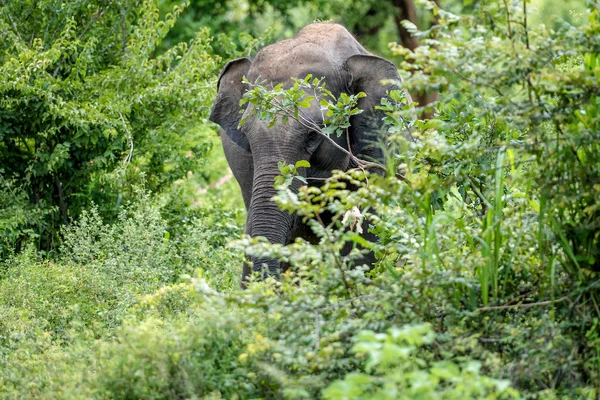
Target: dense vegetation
x=121, y=236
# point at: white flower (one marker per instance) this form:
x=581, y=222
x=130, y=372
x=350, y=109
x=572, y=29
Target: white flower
x=355, y=218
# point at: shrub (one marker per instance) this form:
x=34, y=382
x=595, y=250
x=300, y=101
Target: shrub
x=88, y=107
x=54, y=312
x=492, y=234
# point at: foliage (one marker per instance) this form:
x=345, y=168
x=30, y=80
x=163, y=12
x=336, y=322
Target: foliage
x=498, y=207
x=87, y=110
x=277, y=102
x=486, y=284
x=17, y=216
x=394, y=370
x=279, y=105
x=374, y=23
x=544, y=112
x=103, y=273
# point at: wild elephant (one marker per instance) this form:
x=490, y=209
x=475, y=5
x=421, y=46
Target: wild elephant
x=253, y=150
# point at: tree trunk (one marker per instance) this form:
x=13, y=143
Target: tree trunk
x=408, y=12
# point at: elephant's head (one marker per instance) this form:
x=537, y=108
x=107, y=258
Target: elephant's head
x=263, y=147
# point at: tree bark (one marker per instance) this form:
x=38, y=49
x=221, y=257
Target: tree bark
x=408, y=12
x=62, y=204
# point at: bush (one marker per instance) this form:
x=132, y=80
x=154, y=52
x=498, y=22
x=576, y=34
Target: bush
x=88, y=108
x=492, y=235
x=53, y=312
x=19, y=219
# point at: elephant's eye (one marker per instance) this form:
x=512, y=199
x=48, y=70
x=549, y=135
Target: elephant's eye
x=313, y=140
x=313, y=135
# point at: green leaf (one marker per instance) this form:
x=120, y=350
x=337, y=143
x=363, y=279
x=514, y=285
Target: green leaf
x=445, y=370
x=302, y=164
x=306, y=102
x=328, y=129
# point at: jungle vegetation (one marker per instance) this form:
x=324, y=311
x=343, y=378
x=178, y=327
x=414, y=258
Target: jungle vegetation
x=121, y=232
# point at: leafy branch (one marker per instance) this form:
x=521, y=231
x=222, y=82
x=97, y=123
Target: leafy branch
x=285, y=104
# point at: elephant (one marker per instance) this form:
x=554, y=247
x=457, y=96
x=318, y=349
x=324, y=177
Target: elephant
x=325, y=50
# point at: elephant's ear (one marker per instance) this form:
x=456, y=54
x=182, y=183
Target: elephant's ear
x=226, y=111
x=374, y=76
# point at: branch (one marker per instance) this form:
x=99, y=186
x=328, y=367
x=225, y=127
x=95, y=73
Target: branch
x=522, y=306
x=484, y=203
x=130, y=136
x=308, y=123
x=11, y=20
x=510, y=36
x=407, y=11
x=335, y=256
x=591, y=286
x=61, y=199
x=528, y=78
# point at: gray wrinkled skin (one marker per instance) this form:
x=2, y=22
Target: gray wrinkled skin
x=326, y=51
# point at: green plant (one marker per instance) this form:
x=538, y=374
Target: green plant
x=479, y=238
x=394, y=370
x=88, y=110
x=486, y=283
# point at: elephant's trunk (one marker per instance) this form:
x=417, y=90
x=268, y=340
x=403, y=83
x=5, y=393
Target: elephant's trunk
x=266, y=219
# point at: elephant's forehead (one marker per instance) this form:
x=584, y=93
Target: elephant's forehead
x=294, y=59
x=292, y=127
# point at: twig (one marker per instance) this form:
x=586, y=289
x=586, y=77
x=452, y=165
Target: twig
x=350, y=151
x=510, y=36
x=515, y=299
x=317, y=331
x=528, y=78
x=358, y=161
x=130, y=155
x=337, y=260
x=11, y=20
x=484, y=203
x=475, y=83
x=523, y=306
x=591, y=286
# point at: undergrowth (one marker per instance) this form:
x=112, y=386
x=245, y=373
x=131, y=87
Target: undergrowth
x=486, y=284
